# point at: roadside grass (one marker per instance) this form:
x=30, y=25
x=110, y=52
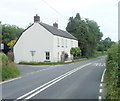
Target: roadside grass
x=8, y=69
x=41, y=63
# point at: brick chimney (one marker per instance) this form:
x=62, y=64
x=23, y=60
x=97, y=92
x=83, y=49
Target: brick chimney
x=55, y=25
x=36, y=19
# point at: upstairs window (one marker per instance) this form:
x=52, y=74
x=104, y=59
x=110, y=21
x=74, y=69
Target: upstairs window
x=62, y=43
x=58, y=43
x=71, y=43
x=66, y=43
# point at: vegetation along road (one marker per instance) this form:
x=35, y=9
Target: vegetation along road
x=81, y=80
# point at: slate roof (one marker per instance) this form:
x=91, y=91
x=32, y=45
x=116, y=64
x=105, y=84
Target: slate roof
x=58, y=32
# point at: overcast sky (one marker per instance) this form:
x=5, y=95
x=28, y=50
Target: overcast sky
x=21, y=12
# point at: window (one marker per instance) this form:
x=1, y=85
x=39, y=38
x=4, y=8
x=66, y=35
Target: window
x=62, y=43
x=58, y=56
x=71, y=43
x=58, y=42
x=66, y=43
x=47, y=55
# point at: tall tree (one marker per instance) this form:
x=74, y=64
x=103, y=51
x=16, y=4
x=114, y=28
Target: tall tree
x=87, y=32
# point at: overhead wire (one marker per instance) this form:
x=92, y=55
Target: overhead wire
x=54, y=9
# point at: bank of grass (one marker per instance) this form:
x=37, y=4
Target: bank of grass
x=112, y=74
x=8, y=69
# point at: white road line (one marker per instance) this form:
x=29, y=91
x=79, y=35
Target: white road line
x=100, y=91
x=100, y=98
x=102, y=79
x=50, y=83
x=101, y=85
x=9, y=80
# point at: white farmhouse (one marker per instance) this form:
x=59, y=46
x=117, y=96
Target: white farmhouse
x=41, y=42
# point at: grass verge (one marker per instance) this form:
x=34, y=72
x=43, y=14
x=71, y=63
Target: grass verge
x=9, y=71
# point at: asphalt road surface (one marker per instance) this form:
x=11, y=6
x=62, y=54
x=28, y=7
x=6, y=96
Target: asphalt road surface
x=80, y=80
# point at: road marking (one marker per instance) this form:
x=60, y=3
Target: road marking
x=101, y=85
x=9, y=80
x=48, y=84
x=100, y=91
x=102, y=79
x=100, y=98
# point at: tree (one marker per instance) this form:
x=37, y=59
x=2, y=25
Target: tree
x=10, y=33
x=105, y=44
x=76, y=52
x=87, y=32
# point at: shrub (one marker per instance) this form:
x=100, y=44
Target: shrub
x=3, y=59
x=10, y=71
x=112, y=73
x=76, y=52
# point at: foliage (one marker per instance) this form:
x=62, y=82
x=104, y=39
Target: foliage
x=11, y=43
x=75, y=51
x=105, y=44
x=10, y=33
x=9, y=71
x=87, y=32
x=65, y=56
x=113, y=92
x=41, y=63
x=3, y=59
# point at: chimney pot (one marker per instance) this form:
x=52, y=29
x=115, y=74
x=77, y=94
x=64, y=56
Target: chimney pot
x=55, y=25
x=36, y=19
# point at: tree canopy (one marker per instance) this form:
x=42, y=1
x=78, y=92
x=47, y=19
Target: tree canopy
x=87, y=32
x=10, y=32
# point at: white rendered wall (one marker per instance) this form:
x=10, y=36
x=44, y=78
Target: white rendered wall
x=36, y=38
x=67, y=45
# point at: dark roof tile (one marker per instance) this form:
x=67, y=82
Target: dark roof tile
x=58, y=32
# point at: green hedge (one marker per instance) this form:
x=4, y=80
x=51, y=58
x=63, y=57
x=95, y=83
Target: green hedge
x=112, y=74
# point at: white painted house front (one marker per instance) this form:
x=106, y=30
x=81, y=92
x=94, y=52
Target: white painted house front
x=41, y=42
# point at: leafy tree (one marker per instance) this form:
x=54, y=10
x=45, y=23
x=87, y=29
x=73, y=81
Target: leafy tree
x=105, y=44
x=10, y=33
x=87, y=32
